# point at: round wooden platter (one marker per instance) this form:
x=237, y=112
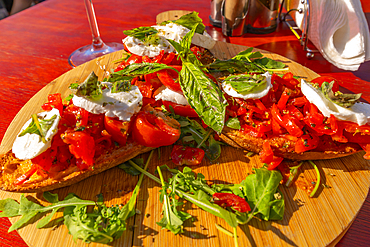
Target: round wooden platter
x=318, y=221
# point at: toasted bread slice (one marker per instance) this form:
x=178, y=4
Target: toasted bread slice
x=12, y=168
x=285, y=148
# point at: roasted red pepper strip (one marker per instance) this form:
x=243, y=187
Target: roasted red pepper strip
x=22, y=179
x=231, y=200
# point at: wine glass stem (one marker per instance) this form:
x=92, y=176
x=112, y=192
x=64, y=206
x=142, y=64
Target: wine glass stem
x=97, y=42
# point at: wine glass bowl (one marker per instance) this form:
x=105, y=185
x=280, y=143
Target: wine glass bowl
x=98, y=47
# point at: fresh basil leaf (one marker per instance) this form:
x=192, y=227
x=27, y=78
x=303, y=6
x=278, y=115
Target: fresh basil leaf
x=245, y=83
x=258, y=59
x=233, y=123
x=138, y=69
x=269, y=63
x=203, y=95
x=339, y=98
x=39, y=126
x=231, y=65
x=90, y=88
x=74, y=86
x=144, y=34
x=189, y=21
x=121, y=86
x=247, y=55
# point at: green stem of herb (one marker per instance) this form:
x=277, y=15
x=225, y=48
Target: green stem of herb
x=36, y=120
x=160, y=175
x=235, y=237
x=204, y=139
x=221, y=229
x=293, y=173
x=276, y=70
x=151, y=176
x=318, y=179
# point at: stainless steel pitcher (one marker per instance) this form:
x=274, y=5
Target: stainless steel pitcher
x=237, y=17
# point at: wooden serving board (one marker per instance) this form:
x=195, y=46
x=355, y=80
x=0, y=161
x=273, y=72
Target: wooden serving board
x=318, y=221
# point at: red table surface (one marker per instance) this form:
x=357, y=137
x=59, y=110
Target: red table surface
x=35, y=45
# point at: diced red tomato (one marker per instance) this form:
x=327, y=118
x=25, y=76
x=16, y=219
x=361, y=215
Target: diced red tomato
x=169, y=78
x=283, y=99
x=154, y=129
x=54, y=101
x=182, y=110
x=231, y=200
x=366, y=148
x=276, y=161
x=266, y=155
x=305, y=143
x=282, y=81
x=82, y=146
x=117, y=129
x=182, y=155
x=321, y=79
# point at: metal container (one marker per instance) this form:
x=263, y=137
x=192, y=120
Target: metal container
x=262, y=16
x=215, y=16
x=237, y=17
x=234, y=14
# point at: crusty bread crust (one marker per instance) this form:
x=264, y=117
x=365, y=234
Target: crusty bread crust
x=12, y=168
x=283, y=147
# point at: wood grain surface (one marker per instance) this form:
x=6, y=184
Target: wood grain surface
x=318, y=221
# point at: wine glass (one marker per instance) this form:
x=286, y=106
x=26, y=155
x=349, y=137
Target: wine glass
x=98, y=47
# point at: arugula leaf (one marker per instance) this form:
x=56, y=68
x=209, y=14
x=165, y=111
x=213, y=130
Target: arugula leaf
x=39, y=126
x=260, y=188
x=90, y=88
x=144, y=34
x=172, y=218
x=103, y=225
x=245, y=83
x=28, y=209
x=129, y=169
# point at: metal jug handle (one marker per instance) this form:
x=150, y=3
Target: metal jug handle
x=234, y=13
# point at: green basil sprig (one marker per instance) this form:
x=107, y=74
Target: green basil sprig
x=204, y=96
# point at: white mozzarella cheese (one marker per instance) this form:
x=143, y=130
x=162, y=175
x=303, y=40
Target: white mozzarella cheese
x=169, y=31
x=167, y=94
x=122, y=104
x=29, y=145
x=251, y=95
x=359, y=113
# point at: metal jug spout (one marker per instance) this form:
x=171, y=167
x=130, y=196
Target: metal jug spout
x=234, y=15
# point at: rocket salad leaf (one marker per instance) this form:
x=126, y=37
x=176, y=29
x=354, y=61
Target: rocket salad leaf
x=103, y=225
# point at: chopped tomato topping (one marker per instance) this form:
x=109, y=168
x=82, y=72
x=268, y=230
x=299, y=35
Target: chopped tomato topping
x=181, y=155
x=231, y=200
x=153, y=129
